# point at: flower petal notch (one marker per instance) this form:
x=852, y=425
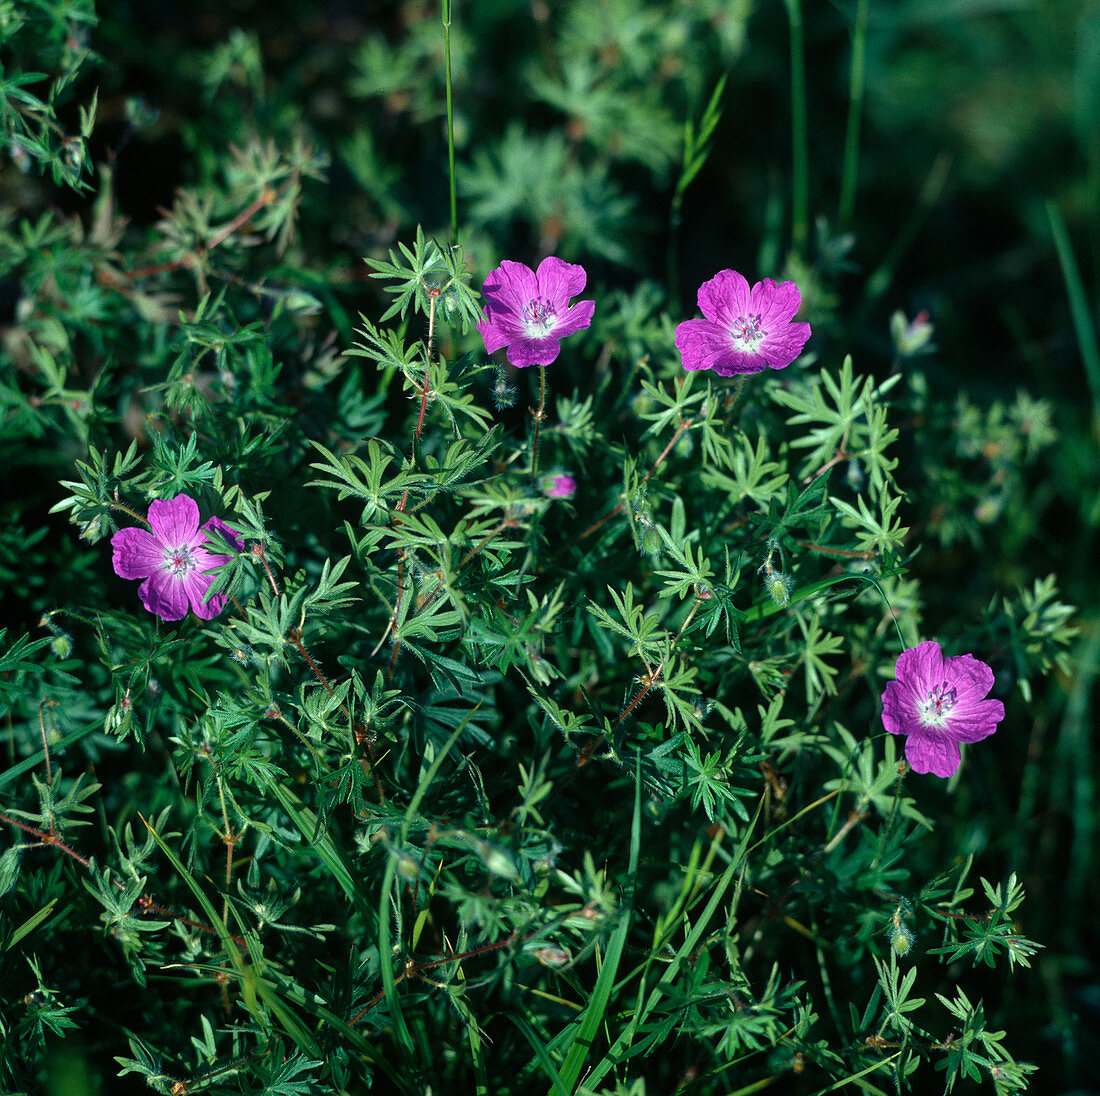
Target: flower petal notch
x=746, y=330
x=528, y=311
x=172, y=560
x=937, y=703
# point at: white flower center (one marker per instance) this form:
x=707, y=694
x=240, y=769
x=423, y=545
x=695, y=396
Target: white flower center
x=539, y=317
x=178, y=561
x=748, y=333
x=934, y=710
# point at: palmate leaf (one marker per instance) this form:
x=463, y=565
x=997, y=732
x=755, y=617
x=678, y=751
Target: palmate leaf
x=851, y=421
x=425, y=274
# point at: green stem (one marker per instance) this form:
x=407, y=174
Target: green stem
x=735, y=395
x=538, y=422
x=903, y=768
x=850, y=171
x=450, y=118
x=800, y=169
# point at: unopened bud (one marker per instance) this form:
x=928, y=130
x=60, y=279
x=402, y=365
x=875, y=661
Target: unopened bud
x=649, y=540
x=560, y=486
x=504, y=395
x=553, y=957
x=302, y=303
x=912, y=337
x=497, y=862
x=778, y=586
x=901, y=940
x=989, y=510
x=62, y=645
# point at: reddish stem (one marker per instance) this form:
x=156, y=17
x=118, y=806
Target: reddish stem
x=146, y=903
x=656, y=464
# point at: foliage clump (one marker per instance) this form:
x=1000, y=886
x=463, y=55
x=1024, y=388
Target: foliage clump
x=538, y=742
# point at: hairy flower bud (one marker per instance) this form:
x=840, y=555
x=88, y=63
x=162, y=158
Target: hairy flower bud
x=649, y=539
x=778, y=586
x=901, y=940
x=504, y=395
x=62, y=645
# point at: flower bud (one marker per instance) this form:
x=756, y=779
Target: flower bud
x=912, y=337
x=559, y=486
x=649, y=540
x=553, y=957
x=496, y=861
x=302, y=303
x=62, y=645
x=778, y=586
x=989, y=509
x=504, y=395
x=901, y=940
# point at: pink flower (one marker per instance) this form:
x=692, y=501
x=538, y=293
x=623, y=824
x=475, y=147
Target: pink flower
x=528, y=310
x=745, y=330
x=939, y=702
x=560, y=486
x=172, y=560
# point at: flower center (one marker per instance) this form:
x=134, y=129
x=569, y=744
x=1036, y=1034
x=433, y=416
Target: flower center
x=178, y=561
x=748, y=332
x=934, y=710
x=539, y=317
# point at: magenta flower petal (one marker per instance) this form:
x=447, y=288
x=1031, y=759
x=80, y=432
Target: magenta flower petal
x=528, y=311
x=164, y=597
x=560, y=486
x=172, y=559
x=575, y=319
x=746, y=330
x=725, y=297
x=937, y=703
x=929, y=754
x=559, y=280
x=174, y=521
x=526, y=352
x=135, y=553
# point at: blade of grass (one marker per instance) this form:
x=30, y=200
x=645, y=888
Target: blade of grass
x=593, y=1015
x=246, y=975
x=1083, y=326
x=389, y=984
x=450, y=118
x=330, y=856
x=30, y=924
x=850, y=172
x=686, y=949
x=800, y=159
x=557, y=1086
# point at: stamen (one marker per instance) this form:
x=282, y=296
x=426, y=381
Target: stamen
x=748, y=332
x=936, y=707
x=539, y=316
x=178, y=561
